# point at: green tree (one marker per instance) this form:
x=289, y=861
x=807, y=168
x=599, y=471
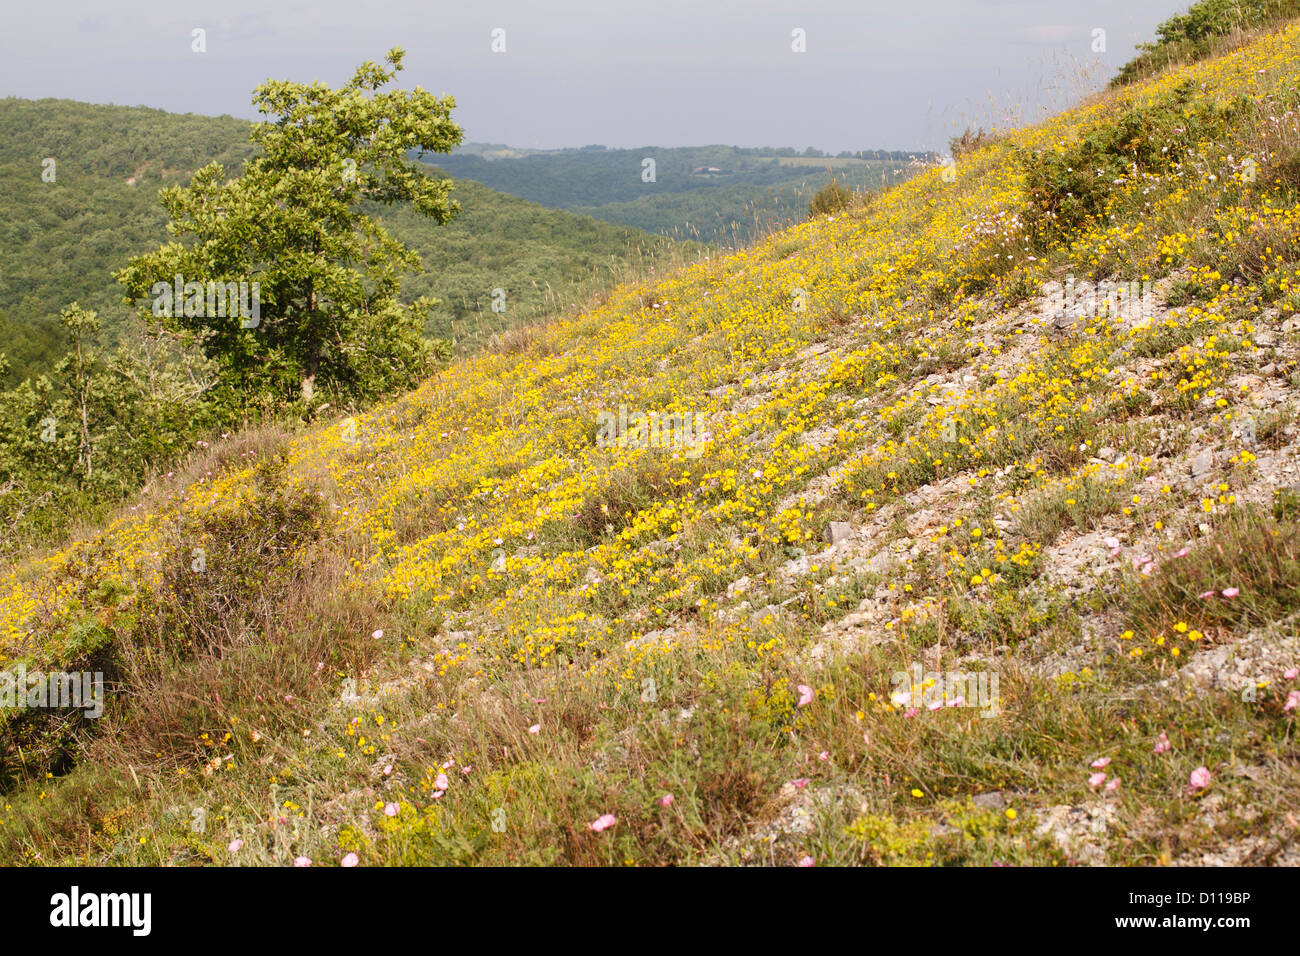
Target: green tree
x=327, y=274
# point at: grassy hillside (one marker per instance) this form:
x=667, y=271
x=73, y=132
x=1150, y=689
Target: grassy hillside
x=716, y=194
x=465, y=628
x=61, y=240
x=1208, y=27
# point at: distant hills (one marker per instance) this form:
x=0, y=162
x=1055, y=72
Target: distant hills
x=63, y=233
x=725, y=195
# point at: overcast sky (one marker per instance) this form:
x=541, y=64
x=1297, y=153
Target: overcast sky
x=902, y=74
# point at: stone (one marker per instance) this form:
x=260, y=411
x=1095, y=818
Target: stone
x=839, y=531
x=1202, y=463
x=990, y=801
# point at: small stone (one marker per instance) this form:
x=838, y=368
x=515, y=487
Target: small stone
x=1202, y=463
x=1106, y=453
x=990, y=801
x=839, y=531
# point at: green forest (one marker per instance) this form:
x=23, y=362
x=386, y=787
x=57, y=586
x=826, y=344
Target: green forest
x=60, y=240
x=723, y=195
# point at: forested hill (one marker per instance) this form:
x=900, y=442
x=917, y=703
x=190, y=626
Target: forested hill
x=721, y=194
x=65, y=226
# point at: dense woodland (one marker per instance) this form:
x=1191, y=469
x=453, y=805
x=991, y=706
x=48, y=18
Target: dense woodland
x=717, y=194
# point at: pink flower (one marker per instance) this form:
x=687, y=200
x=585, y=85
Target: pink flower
x=604, y=822
x=442, y=783
x=1113, y=784
x=1182, y=552
x=302, y=861
x=1100, y=763
x=1096, y=780
x=1206, y=595
x=466, y=769
x=666, y=800
x=800, y=783
x=910, y=712
x=1199, y=780
x=350, y=860
x=1291, y=673
x=806, y=695
x=1292, y=699
x=1163, y=744
x=807, y=861
x=1230, y=592
x=378, y=634
x=824, y=755
x=235, y=845
x=535, y=729
x=391, y=810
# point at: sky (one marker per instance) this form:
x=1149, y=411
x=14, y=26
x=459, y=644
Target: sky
x=902, y=74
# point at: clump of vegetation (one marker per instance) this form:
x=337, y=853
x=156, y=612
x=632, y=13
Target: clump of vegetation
x=1206, y=28
x=1071, y=188
x=831, y=198
x=971, y=140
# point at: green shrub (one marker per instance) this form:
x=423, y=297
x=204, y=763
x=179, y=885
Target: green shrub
x=1192, y=36
x=1074, y=188
x=830, y=198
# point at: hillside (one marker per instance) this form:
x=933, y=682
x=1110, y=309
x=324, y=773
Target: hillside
x=724, y=195
x=60, y=241
x=942, y=569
